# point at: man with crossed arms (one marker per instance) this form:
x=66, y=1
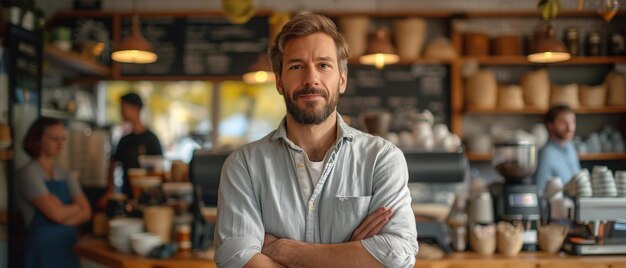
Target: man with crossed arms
x=301, y=196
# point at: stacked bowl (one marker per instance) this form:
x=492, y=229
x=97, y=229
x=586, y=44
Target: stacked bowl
x=120, y=231
x=579, y=185
x=620, y=182
x=144, y=243
x=602, y=182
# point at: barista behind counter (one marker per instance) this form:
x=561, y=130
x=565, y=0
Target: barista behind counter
x=558, y=158
x=141, y=141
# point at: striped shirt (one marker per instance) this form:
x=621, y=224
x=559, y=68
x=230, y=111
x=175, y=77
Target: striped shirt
x=265, y=188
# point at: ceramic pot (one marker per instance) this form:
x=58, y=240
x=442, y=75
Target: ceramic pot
x=510, y=97
x=616, y=85
x=354, y=29
x=409, y=34
x=482, y=90
x=592, y=96
x=536, y=85
x=565, y=94
x=440, y=48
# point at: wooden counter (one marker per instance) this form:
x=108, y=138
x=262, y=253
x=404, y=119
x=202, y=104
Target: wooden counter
x=523, y=260
x=98, y=250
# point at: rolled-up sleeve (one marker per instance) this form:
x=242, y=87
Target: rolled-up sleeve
x=396, y=245
x=239, y=231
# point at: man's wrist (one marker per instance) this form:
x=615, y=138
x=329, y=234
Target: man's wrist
x=288, y=251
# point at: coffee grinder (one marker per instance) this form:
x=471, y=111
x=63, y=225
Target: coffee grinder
x=516, y=199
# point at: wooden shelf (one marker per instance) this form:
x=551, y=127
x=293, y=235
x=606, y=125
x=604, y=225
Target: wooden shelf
x=6, y=154
x=411, y=62
x=521, y=60
x=601, y=156
x=535, y=111
x=485, y=157
x=531, y=13
x=76, y=62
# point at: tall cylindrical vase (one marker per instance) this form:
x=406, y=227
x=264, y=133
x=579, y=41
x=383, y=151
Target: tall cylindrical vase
x=354, y=30
x=409, y=34
x=159, y=220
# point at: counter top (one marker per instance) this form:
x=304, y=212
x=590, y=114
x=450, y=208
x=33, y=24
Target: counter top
x=98, y=250
x=523, y=260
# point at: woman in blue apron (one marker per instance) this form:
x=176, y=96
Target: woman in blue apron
x=52, y=202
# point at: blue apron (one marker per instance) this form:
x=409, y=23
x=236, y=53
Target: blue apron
x=50, y=244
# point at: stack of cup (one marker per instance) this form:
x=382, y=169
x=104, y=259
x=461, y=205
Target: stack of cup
x=620, y=182
x=579, y=185
x=602, y=182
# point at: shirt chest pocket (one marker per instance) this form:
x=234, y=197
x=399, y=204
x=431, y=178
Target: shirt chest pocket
x=349, y=212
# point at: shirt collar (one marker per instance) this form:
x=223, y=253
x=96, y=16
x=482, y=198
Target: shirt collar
x=343, y=130
x=560, y=145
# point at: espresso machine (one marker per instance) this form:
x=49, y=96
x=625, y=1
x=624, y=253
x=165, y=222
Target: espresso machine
x=516, y=199
x=599, y=226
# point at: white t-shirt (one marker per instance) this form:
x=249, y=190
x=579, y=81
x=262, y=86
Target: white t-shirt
x=315, y=170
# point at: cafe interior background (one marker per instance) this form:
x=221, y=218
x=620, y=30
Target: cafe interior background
x=454, y=56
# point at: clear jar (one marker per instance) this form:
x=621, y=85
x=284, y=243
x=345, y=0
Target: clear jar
x=594, y=44
x=572, y=41
x=617, y=44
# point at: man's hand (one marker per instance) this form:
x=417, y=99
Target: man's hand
x=372, y=225
x=271, y=246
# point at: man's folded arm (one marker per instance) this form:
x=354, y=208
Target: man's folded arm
x=395, y=245
x=239, y=230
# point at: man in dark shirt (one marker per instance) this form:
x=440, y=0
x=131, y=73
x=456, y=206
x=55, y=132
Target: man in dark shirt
x=141, y=141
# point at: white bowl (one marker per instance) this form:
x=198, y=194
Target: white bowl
x=177, y=188
x=146, y=182
x=125, y=223
x=144, y=243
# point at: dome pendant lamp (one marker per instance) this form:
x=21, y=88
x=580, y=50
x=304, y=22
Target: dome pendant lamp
x=380, y=51
x=135, y=48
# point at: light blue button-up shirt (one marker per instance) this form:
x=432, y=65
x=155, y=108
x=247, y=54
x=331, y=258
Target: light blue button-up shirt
x=265, y=187
x=556, y=160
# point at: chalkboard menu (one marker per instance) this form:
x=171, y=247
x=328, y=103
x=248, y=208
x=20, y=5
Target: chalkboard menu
x=199, y=46
x=398, y=89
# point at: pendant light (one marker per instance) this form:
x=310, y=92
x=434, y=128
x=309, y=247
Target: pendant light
x=546, y=48
x=260, y=72
x=380, y=51
x=134, y=48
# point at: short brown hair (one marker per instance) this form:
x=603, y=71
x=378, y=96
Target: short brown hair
x=32, y=141
x=304, y=25
x=555, y=111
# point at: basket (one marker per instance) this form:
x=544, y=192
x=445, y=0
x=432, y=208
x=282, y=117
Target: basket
x=592, y=96
x=510, y=97
x=551, y=237
x=510, y=238
x=482, y=90
x=483, y=239
x=616, y=85
x=565, y=94
x=536, y=87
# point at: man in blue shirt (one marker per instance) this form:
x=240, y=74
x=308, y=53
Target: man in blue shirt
x=558, y=158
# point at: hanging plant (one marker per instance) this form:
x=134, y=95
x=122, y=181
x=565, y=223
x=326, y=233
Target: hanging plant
x=549, y=8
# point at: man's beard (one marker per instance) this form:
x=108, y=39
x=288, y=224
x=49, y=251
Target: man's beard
x=309, y=115
x=563, y=136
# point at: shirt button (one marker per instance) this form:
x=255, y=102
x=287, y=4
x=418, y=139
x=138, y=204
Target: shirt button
x=311, y=208
x=301, y=165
